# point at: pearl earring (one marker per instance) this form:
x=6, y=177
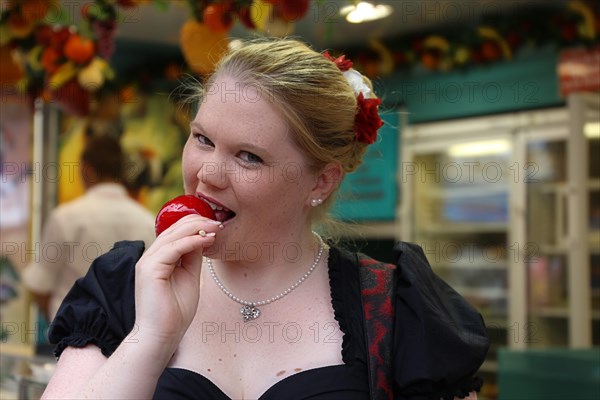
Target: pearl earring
x=316, y=202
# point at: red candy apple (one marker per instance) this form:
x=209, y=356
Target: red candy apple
x=177, y=208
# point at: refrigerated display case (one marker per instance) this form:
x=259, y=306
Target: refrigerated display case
x=456, y=183
x=562, y=306
x=506, y=210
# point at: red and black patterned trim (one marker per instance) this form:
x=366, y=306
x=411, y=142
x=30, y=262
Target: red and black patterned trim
x=377, y=289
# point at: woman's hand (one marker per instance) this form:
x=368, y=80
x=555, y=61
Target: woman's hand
x=167, y=283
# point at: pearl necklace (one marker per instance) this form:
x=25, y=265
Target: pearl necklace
x=250, y=310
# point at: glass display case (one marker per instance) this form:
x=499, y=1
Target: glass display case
x=455, y=192
x=563, y=220
x=507, y=211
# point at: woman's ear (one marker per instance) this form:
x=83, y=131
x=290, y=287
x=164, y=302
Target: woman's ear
x=328, y=180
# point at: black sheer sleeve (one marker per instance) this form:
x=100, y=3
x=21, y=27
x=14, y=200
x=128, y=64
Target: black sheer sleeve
x=440, y=339
x=100, y=307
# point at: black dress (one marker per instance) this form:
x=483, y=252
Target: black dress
x=432, y=356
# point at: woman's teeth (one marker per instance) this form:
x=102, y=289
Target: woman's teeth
x=222, y=213
x=216, y=207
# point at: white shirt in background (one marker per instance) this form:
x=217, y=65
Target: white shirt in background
x=79, y=231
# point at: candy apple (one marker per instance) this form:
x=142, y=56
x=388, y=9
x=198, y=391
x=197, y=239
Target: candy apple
x=177, y=208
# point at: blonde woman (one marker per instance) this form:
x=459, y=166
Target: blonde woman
x=258, y=306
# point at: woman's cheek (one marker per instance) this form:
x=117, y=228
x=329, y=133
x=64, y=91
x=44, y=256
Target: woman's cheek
x=188, y=176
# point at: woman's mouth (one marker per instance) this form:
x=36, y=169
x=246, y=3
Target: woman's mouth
x=222, y=213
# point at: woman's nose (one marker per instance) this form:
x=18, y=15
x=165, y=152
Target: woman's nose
x=216, y=173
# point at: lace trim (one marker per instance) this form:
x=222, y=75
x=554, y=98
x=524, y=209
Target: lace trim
x=337, y=287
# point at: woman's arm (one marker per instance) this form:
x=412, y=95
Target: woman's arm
x=167, y=286
x=75, y=367
x=131, y=372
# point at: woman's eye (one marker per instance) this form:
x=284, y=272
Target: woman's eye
x=203, y=140
x=250, y=158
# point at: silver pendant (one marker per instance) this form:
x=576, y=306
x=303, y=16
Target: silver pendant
x=250, y=312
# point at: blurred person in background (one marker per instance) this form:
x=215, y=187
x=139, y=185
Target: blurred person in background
x=77, y=231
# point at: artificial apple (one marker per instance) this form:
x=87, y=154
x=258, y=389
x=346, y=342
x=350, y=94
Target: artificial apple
x=79, y=49
x=50, y=59
x=217, y=17
x=293, y=10
x=246, y=18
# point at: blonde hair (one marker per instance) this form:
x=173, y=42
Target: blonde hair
x=312, y=94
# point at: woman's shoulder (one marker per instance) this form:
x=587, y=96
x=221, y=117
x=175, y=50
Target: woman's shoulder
x=112, y=272
x=123, y=251
x=409, y=267
x=433, y=334
x=115, y=269
x=100, y=307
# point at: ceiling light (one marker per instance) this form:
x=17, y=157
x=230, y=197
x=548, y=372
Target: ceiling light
x=591, y=130
x=364, y=11
x=487, y=147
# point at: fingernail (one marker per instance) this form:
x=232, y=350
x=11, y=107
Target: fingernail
x=215, y=222
x=211, y=234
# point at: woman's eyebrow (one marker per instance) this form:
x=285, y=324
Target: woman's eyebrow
x=253, y=147
x=195, y=125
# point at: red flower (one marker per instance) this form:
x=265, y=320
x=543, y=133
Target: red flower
x=367, y=121
x=341, y=62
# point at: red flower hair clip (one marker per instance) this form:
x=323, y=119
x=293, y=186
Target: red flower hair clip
x=367, y=121
x=341, y=62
